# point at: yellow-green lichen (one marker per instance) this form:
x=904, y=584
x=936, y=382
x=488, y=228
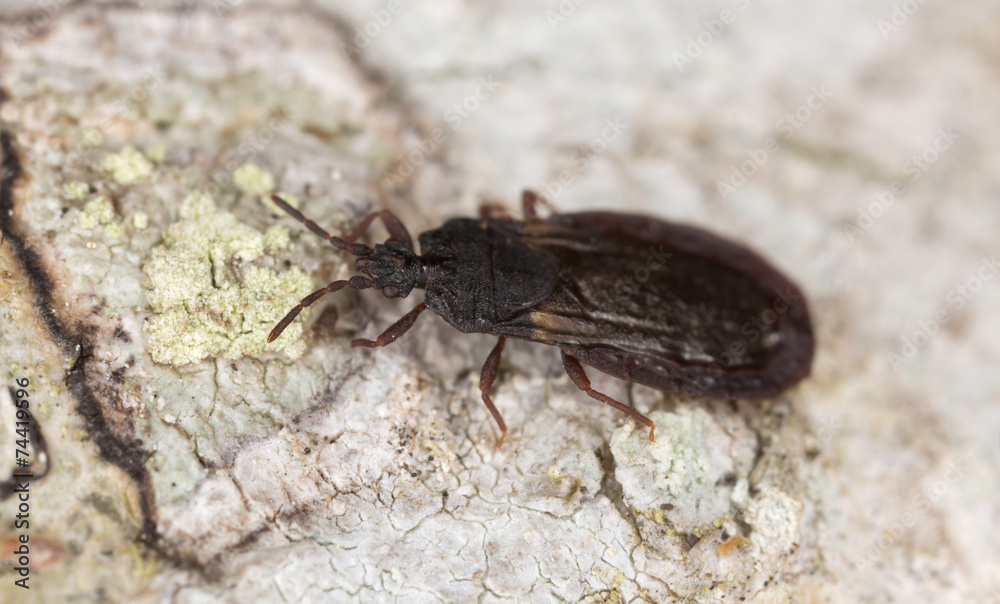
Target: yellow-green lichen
x=140, y=220
x=208, y=298
x=156, y=153
x=128, y=166
x=614, y=579
x=75, y=190
x=276, y=238
x=115, y=229
x=96, y=212
x=662, y=520
x=250, y=179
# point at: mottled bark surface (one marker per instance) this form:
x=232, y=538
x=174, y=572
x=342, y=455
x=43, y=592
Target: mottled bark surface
x=853, y=144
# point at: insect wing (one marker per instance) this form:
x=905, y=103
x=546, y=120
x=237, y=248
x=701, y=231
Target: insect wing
x=666, y=305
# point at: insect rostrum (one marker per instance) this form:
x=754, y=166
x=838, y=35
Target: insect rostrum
x=666, y=305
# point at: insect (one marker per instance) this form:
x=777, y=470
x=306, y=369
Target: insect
x=662, y=304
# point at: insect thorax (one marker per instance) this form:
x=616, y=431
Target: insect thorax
x=480, y=273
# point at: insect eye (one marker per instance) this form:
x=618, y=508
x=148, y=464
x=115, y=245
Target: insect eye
x=390, y=291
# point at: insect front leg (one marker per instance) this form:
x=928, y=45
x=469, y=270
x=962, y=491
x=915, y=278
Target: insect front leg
x=530, y=202
x=576, y=373
x=395, y=330
x=490, y=368
x=355, y=282
x=392, y=224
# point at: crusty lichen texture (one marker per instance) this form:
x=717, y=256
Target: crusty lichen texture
x=253, y=180
x=128, y=166
x=208, y=296
x=681, y=468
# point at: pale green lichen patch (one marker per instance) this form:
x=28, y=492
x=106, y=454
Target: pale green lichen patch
x=252, y=180
x=156, y=153
x=679, y=455
x=96, y=212
x=276, y=238
x=774, y=516
x=75, y=190
x=209, y=298
x=115, y=229
x=140, y=220
x=128, y=166
x=675, y=480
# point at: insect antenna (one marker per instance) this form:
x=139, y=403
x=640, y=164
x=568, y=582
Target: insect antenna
x=357, y=249
x=355, y=282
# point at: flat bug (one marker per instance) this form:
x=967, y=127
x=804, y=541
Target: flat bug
x=666, y=305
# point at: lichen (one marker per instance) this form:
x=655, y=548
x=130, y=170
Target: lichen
x=673, y=480
x=75, y=190
x=115, y=229
x=96, y=212
x=156, y=153
x=614, y=579
x=207, y=295
x=140, y=220
x=252, y=180
x=276, y=238
x=678, y=454
x=774, y=516
x=128, y=166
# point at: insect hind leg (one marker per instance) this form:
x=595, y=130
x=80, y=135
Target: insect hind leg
x=490, y=369
x=576, y=373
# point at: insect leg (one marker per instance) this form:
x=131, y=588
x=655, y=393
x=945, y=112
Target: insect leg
x=392, y=224
x=496, y=211
x=395, y=330
x=356, y=282
x=579, y=377
x=530, y=202
x=489, y=374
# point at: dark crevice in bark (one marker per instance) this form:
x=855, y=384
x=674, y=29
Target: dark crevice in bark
x=126, y=453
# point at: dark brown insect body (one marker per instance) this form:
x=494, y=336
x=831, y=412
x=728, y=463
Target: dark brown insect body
x=669, y=306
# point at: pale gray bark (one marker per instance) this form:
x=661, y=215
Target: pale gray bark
x=348, y=474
